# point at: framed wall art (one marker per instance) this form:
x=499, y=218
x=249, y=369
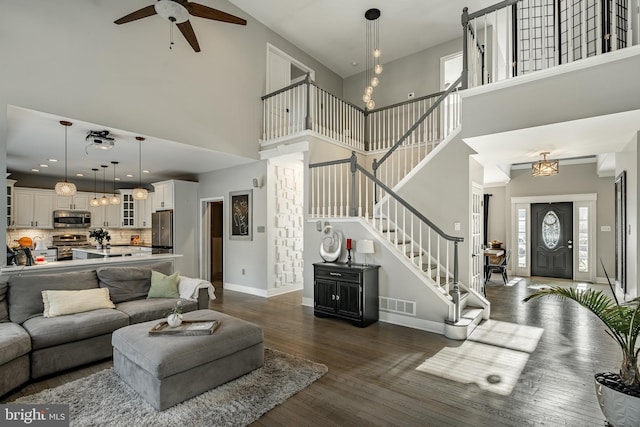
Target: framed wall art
x=240, y=218
x=621, y=228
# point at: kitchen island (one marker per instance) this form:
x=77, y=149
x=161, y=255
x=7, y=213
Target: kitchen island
x=85, y=264
x=116, y=251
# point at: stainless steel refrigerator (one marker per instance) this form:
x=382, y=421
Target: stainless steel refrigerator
x=162, y=230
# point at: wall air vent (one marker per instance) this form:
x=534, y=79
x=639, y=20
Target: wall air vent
x=394, y=305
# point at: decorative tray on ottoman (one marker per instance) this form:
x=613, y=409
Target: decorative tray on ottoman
x=187, y=327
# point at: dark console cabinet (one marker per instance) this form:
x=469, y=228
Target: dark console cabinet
x=346, y=291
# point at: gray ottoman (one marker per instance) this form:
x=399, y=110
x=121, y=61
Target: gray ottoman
x=166, y=370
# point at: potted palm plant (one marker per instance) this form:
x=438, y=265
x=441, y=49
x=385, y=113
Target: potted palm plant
x=618, y=393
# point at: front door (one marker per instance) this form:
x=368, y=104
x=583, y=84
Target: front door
x=552, y=240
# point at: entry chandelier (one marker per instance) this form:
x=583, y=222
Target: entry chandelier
x=544, y=167
x=65, y=188
x=140, y=193
x=373, y=66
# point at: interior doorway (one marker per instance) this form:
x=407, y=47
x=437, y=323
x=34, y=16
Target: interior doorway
x=212, y=241
x=217, y=212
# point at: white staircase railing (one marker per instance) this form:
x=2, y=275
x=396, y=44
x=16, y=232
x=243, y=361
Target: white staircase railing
x=343, y=188
x=440, y=119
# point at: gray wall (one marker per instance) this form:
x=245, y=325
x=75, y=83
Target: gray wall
x=241, y=254
x=572, y=179
x=419, y=73
x=441, y=192
x=71, y=59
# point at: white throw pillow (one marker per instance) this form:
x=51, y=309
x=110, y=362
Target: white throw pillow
x=59, y=303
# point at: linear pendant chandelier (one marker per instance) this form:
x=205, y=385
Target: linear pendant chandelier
x=373, y=66
x=65, y=188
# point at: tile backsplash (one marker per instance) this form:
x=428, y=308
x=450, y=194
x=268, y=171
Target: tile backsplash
x=119, y=236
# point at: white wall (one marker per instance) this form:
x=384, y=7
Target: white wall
x=627, y=160
x=240, y=255
x=589, y=92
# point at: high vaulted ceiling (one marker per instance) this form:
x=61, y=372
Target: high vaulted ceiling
x=333, y=31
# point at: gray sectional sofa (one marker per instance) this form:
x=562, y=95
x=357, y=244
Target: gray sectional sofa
x=33, y=346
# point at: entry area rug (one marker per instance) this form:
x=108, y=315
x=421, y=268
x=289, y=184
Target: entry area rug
x=102, y=399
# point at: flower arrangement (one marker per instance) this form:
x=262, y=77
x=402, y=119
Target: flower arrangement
x=176, y=310
x=100, y=235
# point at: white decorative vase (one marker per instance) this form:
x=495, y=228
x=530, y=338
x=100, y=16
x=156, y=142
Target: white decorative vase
x=99, y=246
x=174, y=320
x=620, y=410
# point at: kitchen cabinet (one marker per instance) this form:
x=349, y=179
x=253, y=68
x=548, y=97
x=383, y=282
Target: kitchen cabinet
x=10, y=184
x=105, y=216
x=33, y=208
x=182, y=198
x=79, y=201
x=348, y=292
x=163, y=196
x=135, y=213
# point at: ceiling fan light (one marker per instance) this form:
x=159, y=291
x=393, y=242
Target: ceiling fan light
x=171, y=11
x=140, y=193
x=65, y=188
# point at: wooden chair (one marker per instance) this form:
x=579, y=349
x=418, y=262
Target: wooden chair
x=500, y=267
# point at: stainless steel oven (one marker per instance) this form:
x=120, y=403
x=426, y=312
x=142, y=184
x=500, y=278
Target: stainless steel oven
x=71, y=219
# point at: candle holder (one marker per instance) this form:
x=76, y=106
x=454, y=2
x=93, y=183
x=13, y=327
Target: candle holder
x=348, y=256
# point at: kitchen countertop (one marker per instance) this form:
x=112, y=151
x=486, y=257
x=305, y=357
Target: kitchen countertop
x=117, y=251
x=83, y=264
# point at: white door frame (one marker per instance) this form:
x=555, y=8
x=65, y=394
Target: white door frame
x=272, y=50
x=476, y=234
x=588, y=200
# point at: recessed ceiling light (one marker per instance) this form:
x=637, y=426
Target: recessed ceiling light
x=129, y=175
x=79, y=174
x=35, y=170
x=116, y=179
x=53, y=160
x=44, y=166
x=145, y=171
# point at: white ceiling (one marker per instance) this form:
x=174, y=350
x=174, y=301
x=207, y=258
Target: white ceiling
x=35, y=137
x=333, y=31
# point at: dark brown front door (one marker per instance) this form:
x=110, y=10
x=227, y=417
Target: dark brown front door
x=552, y=240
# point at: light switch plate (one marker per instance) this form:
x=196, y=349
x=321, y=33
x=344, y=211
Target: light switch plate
x=605, y=228
x=456, y=226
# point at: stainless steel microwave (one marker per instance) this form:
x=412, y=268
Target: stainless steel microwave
x=71, y=219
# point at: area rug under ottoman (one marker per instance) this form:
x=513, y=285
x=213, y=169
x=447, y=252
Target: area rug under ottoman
x=102, y=399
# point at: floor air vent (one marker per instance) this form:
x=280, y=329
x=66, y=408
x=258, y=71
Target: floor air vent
x=394, y=305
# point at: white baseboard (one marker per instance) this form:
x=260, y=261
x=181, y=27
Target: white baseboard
x=246, y=290
x=284, y=290
x=412, y=322
x=308, y=302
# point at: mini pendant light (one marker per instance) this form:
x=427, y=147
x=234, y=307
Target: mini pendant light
x=94, y=202
x=115, y=199
x=65, y=188
x=140, y=193
x=104, y=200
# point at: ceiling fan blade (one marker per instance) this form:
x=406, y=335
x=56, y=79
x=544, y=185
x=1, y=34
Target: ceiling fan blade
x=187, y=31
x=201, y=11
x=138, y=14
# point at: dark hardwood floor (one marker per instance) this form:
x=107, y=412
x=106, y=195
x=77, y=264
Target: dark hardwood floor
x=374, y=379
